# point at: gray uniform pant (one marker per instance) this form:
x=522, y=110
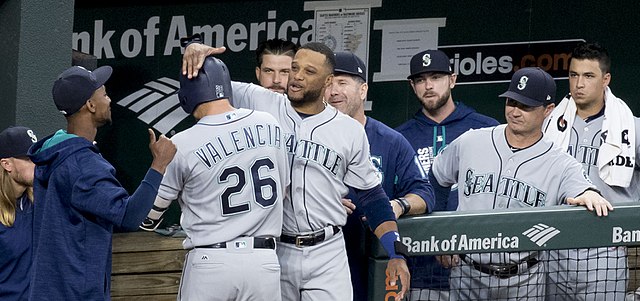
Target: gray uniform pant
x=467, y=283
x=596, y=274
x=230, y=274
x=318, y=273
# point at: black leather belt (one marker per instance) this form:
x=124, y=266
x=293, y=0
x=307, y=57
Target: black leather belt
x=501, y=271
x=258, y=243
x=307, y=240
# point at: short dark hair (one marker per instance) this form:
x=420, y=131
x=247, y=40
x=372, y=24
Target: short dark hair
x=593, y=51
x=324, y=49
x=275, y=47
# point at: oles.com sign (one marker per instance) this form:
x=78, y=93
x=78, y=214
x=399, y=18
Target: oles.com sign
x=490, y=63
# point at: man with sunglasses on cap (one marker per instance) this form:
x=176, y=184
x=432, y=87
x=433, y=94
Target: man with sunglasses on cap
x=488, y=164
x=16, y=212
x=79, y=198
x=403, y=180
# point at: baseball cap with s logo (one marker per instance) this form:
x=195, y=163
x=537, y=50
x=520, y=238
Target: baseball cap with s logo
x=531, y=86
x=15, y=141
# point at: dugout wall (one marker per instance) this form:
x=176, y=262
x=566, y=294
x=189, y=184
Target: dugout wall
x=140, y=42
x=536, y=229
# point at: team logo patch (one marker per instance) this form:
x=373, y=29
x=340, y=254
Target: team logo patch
x=377, y=163
x=562, y=124
x=541, y=233
x=219, y=91
x=241, y=244
x=359, y=70
x=522, y=83
x=426, y=60
x=625, y=137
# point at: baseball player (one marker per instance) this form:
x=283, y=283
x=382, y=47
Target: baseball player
x=229, y=175
x=273, y=59
x=518, y=169
x=403, y=180
x=16, y=212
x=598, y=130
x=328, y=153
x=436, y=124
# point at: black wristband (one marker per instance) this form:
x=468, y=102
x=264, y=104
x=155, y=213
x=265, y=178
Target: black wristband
x=401, y=249
x=404, y=204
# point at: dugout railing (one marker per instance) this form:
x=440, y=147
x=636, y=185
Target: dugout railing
x=538, y=230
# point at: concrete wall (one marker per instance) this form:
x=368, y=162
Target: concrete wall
x=36, y=47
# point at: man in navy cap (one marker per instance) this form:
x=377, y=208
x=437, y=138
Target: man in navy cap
x=403, y=180
x=16, y=212
x=436, y=124
x=510, y=166
x=79, y=198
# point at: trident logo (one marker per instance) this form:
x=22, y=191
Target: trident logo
x=426, y=60
x=522, y=83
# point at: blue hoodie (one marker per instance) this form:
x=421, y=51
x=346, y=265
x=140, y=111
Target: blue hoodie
x=15, y=253
x=79, y=203
x=428, y=138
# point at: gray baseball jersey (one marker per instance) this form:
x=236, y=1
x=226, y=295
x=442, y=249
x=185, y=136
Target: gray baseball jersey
x=323, y=162
x=597, y=273
x=230, y=175
x=539, y=175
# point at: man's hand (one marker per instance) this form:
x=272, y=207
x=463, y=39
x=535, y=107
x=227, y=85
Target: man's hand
x=162, y=150
x=397, y=209
x=194, y=56
x=398, y=268
x=593, y=201
x=448, y=261
x=348, y=205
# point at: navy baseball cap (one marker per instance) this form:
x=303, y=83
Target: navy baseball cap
x=532, y=86
x=349, y=63
x=75, y=86
x=429, y=61
x=15, y=141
